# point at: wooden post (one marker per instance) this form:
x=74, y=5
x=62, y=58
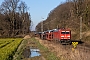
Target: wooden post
x=80, y=28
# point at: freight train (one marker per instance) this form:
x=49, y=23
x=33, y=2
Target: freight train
x=62, y=35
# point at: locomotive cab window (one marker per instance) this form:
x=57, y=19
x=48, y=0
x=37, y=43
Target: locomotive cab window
x=67, y=32
x=64, y=32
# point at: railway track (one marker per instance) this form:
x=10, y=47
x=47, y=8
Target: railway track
x=81, y=52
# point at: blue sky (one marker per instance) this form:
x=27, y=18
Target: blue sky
x=40, y=8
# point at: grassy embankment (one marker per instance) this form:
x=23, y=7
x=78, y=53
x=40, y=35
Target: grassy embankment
x=48, y=55
x=18, y=55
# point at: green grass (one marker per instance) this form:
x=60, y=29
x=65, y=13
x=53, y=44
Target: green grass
x=7, y=51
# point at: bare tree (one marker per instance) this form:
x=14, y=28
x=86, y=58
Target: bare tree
x=22, y=10
x=22, y=7
x=16, y=16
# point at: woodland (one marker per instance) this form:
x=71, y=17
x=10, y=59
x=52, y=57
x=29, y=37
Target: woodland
x=15, y=19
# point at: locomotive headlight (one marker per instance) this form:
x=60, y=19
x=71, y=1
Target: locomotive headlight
x=68, y=36
x=62, y=36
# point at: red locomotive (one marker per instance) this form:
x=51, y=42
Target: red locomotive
x=62, y=35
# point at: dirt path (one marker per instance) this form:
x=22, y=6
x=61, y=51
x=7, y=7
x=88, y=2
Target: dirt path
x=27, y=37
x=65, y=52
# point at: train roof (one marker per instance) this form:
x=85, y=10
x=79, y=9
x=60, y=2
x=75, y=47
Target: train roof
x=54, y=30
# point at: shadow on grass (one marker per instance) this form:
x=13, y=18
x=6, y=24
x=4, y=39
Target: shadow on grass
x=79, y=41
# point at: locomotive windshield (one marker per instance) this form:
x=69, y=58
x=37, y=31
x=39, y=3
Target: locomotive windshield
x=64, y=32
